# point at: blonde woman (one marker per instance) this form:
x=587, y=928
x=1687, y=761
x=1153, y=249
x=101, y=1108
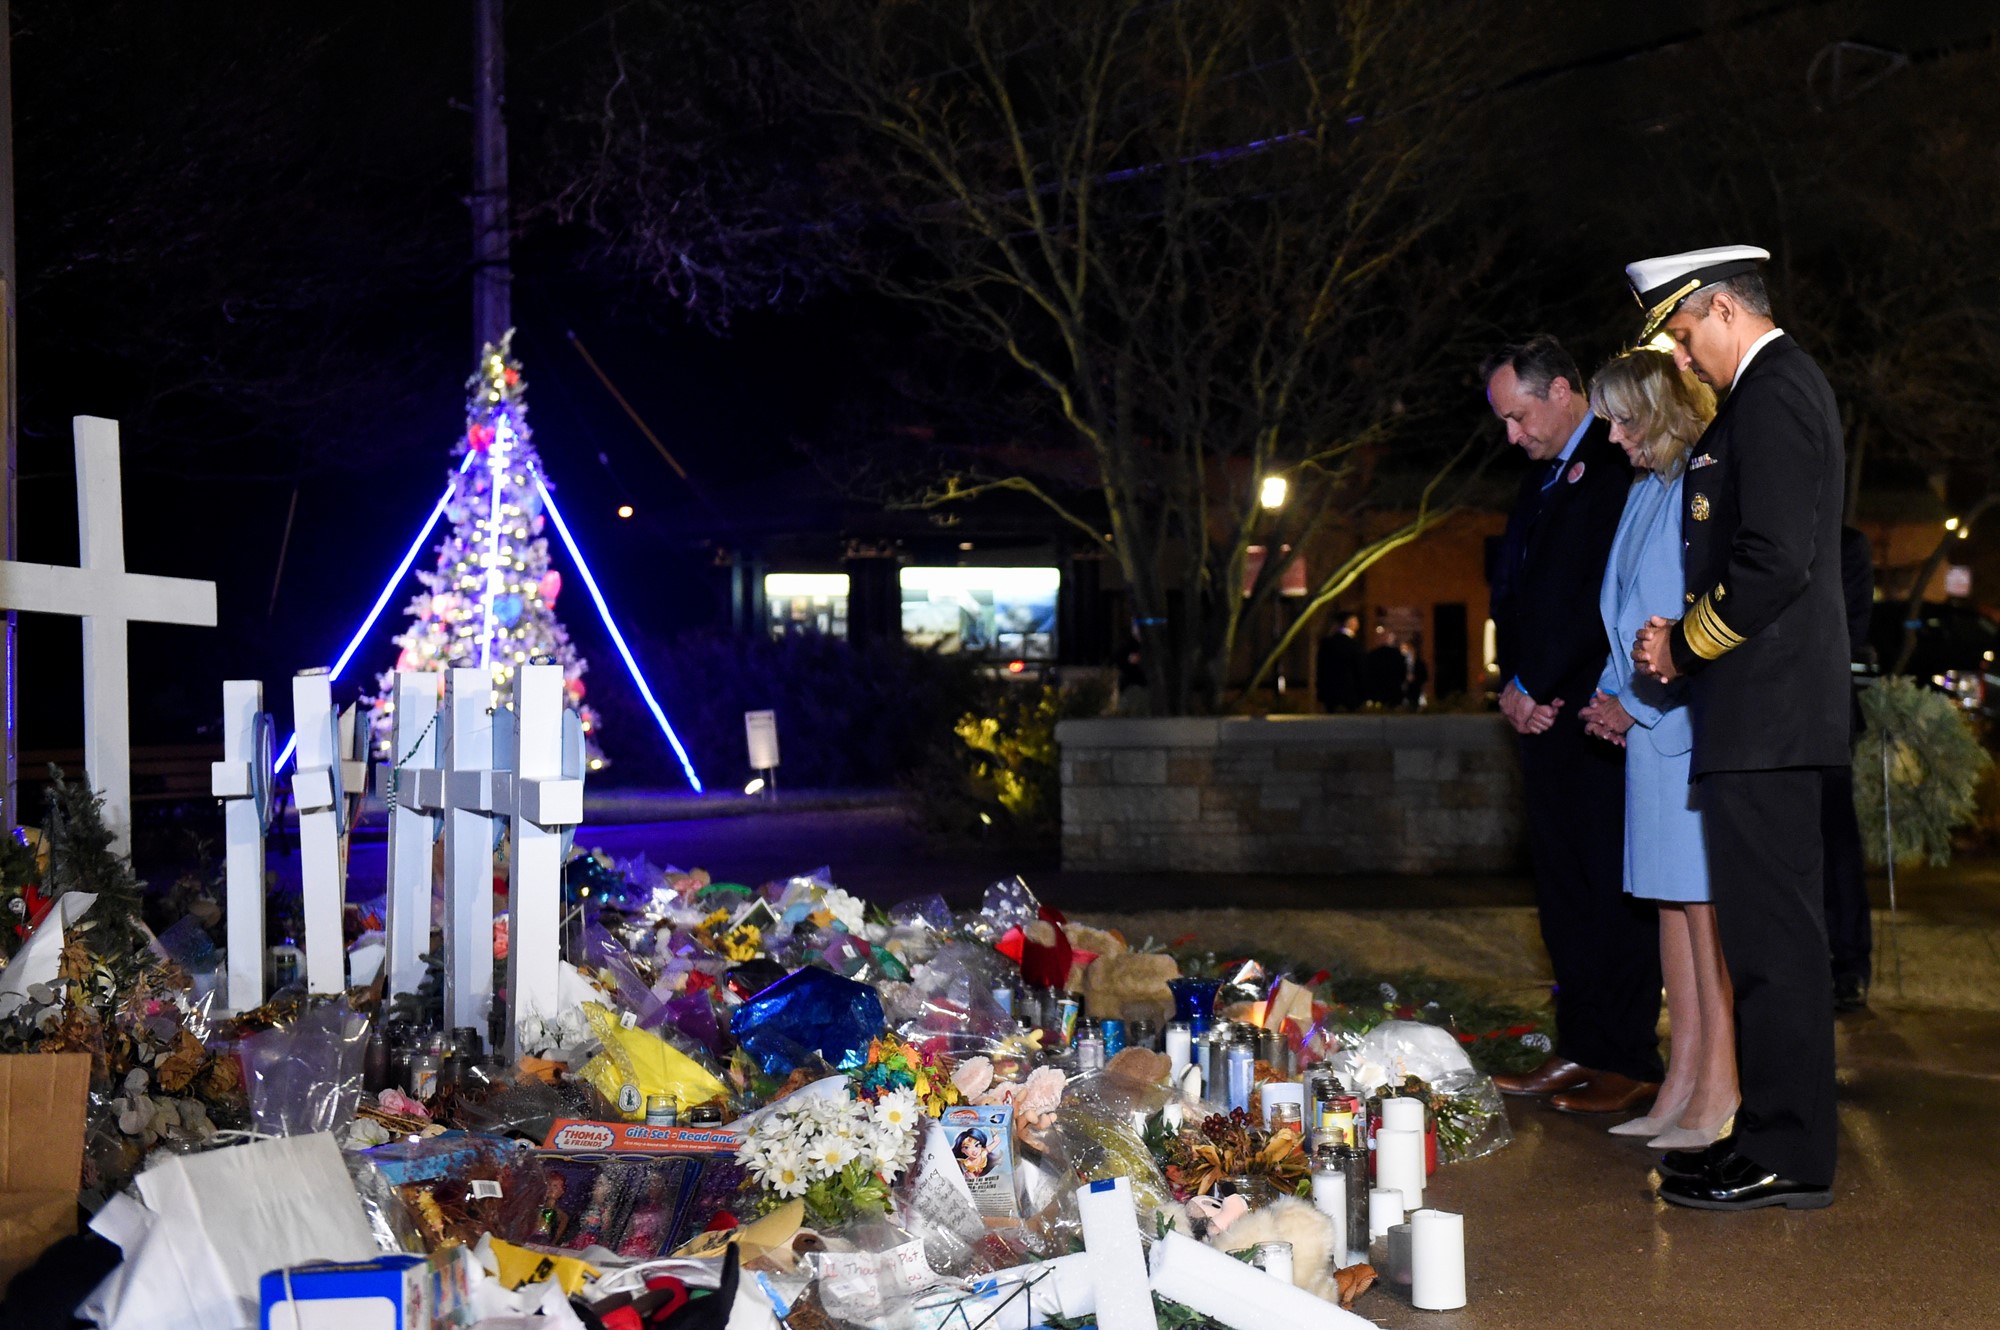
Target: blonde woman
x=1657, y=411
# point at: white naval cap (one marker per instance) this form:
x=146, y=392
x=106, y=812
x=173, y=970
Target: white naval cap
x=1662, y=284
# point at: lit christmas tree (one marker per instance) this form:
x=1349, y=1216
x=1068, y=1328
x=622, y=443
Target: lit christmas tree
x=491, y=603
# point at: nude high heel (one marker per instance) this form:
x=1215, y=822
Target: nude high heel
x=1696, y=1138
x=1661, y=1117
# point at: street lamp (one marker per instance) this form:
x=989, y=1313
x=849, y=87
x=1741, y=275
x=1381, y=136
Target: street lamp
x=1273, y=493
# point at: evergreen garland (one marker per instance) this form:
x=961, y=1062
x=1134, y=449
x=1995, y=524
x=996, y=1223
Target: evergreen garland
x=77, y=846
x=1934, y=765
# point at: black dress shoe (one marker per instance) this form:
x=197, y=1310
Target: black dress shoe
x=1694, y=1163
x=1737, y=1183
x=1850, y=993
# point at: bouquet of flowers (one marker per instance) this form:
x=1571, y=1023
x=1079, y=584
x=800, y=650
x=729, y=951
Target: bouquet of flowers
x=1229, y=1147
x=837, y=1153
x=743, y=942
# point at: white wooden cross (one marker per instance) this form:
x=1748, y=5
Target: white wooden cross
x=468, y=849
x=316, y=789
x=413, y=826
x=107, y=598
x=244, y=790
x=541, y=799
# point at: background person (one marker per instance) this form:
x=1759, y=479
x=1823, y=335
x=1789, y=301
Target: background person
x=1337, y=671
x=1850, y=932
x=1385, y=673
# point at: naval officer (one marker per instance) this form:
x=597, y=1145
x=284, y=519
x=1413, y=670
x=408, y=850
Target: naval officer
x=1763, y=644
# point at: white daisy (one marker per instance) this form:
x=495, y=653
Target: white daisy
x=833, y=1153
x=894, y=1150
x=897, y=1110
x=784, y=1173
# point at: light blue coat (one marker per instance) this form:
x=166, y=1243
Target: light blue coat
x=1665, y=855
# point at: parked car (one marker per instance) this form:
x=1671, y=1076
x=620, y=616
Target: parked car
x=1955, y=650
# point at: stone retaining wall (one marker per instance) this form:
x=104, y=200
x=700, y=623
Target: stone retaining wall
x=1292, y=794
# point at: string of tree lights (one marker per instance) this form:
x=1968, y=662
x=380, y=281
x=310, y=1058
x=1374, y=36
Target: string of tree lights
x=491, y=600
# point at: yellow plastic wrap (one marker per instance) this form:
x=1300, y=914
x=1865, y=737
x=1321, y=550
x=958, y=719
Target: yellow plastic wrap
x=636, y=1063
x=515, y=1266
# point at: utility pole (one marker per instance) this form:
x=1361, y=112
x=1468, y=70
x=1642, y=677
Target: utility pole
x=492, y=227
x=10, y=816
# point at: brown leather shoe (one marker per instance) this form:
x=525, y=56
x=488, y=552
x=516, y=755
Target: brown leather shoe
x=1607, y=1092
x=1554, y=1074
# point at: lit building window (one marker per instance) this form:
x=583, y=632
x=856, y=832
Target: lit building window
x=1004, y=612
x=806, y=603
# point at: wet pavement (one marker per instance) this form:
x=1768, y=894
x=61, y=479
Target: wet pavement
x=1562, y=1228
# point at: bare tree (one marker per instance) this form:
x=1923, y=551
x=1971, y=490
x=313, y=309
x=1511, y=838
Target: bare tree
x=1207, y=235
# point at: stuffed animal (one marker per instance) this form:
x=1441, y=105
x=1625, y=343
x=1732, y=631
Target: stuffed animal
x=1289, y=1219
x=1131, y=986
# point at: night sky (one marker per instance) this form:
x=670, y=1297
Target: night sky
x=242, y=232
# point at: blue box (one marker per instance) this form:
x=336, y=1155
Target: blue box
x=387, y=1293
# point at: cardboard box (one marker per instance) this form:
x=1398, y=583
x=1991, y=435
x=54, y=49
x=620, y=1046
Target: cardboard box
x=42, y=1101
x=388, y=1293
x=579, y=1134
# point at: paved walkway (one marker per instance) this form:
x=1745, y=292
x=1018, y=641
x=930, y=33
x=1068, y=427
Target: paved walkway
x=1563, y=1232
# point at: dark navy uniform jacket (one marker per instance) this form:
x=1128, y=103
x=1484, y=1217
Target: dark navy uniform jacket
x=1764, y=638
x=1546, y=626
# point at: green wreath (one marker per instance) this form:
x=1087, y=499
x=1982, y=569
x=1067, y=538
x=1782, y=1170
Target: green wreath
x=1933, y=766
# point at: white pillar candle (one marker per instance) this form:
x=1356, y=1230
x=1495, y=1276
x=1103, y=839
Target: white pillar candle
x=1180, y=1046
x=1282, y=1092
x=1437, y=1260
x=1330, y=1199
x=1385, y=1207
x=1403, y=1113
x=1399, y=1163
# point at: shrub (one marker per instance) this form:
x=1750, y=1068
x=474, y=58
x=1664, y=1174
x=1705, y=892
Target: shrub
x=999, y=773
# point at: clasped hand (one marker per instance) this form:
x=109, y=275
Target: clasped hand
x=1606, y=718
x=1653, y=651
x=1526, y=715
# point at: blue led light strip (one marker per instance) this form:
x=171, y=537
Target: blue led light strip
x=388, y=590
x=494, y=465
x=617, y=638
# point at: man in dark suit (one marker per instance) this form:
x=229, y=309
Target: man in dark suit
x=1337, y=671
x=1384, y=672
x=1552, y=648
x=1763, y=644
x=1850, y=933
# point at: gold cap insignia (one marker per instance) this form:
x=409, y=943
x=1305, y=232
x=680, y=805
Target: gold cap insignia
x=1698, y=508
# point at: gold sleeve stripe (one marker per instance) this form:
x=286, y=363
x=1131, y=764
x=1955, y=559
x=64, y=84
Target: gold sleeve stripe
x=1707, y=635
x=1712, y=620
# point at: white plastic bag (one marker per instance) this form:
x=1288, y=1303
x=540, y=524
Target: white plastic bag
x=1395, y=1049
x=217, y=1222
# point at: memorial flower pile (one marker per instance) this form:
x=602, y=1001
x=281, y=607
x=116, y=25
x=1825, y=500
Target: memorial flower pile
x=910, y=1084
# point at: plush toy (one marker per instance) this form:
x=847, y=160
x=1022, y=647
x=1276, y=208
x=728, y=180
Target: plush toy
x=1288, y=1219
x=1131, y=986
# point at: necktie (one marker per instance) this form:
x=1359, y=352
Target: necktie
x=1555, y=474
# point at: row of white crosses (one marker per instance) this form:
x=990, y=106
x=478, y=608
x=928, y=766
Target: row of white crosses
x=468, y=765
x=488, y=776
